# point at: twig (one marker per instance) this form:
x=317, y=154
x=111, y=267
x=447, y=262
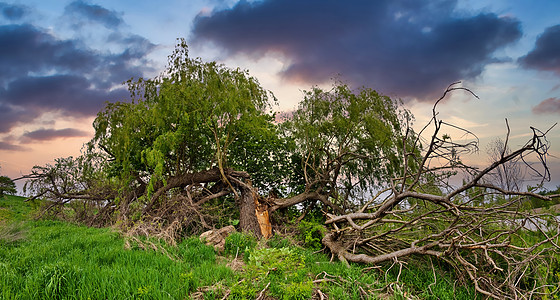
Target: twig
x=261, y=294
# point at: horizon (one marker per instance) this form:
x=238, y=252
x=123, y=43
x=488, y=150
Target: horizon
x=62, y=60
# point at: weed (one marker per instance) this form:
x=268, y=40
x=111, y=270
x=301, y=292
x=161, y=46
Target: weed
x=11, y=233
x=278, y=241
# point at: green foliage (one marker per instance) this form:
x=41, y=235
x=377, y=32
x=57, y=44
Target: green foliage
x=193, y=251
x=57, y=260
x=298, y=290
x=281, y=269
x=418, y=278
x=194, y=116
x=278, y=241
x=13, y=208
x=311, y=233
x=239, y=243
x=348, y=141
x=62, y=261
x=11, y=233
x=7, y=186
x=56, y=281
x=537, y=203
x=265, y=260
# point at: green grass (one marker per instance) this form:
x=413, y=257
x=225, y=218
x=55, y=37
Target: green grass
x=48, y=259
x=13, y=208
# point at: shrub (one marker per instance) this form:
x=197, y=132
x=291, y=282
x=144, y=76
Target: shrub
x=311, y=233
x=7, y=186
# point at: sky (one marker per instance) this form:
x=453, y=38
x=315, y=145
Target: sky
x=60, y=61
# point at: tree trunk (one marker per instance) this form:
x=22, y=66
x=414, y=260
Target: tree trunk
x=247, y=211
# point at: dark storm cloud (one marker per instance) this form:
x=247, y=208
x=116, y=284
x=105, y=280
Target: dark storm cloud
x=68, y=93
x=546, y=54
x=40, y=73
x=51, y=134
x=26, y=48
x=94, y=13
x=407, y=47
x=13, y=12
x=548, y=106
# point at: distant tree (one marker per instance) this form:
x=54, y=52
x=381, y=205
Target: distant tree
x=507, y=175
x=7, y=186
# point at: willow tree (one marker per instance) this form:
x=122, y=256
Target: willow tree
x=185, y=139
x=348, y=143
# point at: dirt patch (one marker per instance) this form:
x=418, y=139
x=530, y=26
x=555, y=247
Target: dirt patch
x=237, y=264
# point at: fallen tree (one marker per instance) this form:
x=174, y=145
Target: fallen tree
x=176, y=157
x=470, y=226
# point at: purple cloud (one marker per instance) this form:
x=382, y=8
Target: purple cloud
x=546, y=54
x=13, y=12
x=404, y=47
x=6, y=146
x=69, y=93
x=41, y=73
x=94, y=14
x=51, y=134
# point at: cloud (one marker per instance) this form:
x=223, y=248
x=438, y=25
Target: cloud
x=548, y=106
x=42, y=73
x=10, y=115
x=10, y=147
x=405, y=47
x=51, y=134
x=546, y=54
x=69, y=93
x=93, y=14
x=27, y=48
x=13, y=12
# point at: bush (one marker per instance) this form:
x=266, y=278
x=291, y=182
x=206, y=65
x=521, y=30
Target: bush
x=311, y=233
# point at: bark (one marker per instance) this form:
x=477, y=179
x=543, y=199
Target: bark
x=212, y=175
x=248, y=221
x=287, y=202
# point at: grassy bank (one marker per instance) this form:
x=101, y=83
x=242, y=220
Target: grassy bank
x=49, y=259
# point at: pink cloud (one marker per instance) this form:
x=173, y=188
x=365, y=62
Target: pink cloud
x=548, y=106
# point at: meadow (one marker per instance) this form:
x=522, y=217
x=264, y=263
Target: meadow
x=51, y=259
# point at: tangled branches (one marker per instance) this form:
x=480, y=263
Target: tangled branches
x=485, y=232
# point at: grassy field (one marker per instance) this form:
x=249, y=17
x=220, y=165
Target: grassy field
x=48, y=259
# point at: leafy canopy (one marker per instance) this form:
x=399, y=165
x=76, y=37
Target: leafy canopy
x=348, y=141
x=193, y=117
